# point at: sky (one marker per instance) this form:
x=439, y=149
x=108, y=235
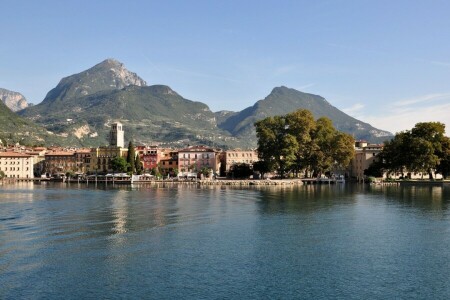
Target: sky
x=383, y=62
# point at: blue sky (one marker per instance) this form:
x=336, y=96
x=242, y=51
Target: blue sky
x=384, y=62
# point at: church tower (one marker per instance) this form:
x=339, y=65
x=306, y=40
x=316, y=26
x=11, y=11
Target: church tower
x=116, y=135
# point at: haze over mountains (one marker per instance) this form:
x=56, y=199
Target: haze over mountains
x=81, y=107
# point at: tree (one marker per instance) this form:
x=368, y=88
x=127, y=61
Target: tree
x=131, y=157
x=444, y=166
x=297, y=142
x=301, y=123
x=240, y=170
x=276, y=145
x=423, y=149
x=119, y=164
x=2, y=175
x=205, y=171
x=138, y=165
x=262, y=167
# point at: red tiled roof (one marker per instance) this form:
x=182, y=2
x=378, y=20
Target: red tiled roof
x=59, y=153
x=13, y=154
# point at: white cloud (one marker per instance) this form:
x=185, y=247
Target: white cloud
x=355, y=108
x=423, y=98
x=304, y=87
x=404, y=118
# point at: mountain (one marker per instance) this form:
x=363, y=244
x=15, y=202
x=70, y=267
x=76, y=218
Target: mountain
x=283, y=100
x=149, y=113
x=15, y=129
x=110, y=74
x=82, y=107
x=13, y=100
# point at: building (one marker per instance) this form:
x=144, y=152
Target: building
x=168, y=164
x=150, y=156
x=59, y=162
x=99, y=159
x=237, y=156
x=16, y=165
x=83, y=160
x=365, y=154
x=196, y=158
x=38, y=154
x=116, y=135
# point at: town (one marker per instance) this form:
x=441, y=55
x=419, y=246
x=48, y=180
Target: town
x=20, y=163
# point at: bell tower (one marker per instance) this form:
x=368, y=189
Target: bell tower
x=116, y=135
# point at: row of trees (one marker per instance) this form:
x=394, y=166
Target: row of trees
x=296, y=142
x=423, y=149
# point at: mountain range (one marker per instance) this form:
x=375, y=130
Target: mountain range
x=82, y=106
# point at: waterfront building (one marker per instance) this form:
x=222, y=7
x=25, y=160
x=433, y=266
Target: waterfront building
x=83, y=159
x=99, y=159
x=38, y=154
x=196, y=158
x=59, y=162
x=16, y=165
x=169, y=163
x=237, y=156
x=365, y=154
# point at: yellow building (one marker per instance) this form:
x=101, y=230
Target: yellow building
x=237, y=156
x=100, y=159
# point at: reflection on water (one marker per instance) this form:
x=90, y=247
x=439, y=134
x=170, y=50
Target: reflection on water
x=316, y=241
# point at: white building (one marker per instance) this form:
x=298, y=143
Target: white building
x=116, y=135
x=16, y=165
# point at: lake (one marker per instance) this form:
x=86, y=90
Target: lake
x=306, y=242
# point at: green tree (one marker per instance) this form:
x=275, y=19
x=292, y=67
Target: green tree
x=297, y=142
x=276, y=144
x=138, y=165
x=2, y=175
x=421, y=149
x=262, y=167
x=131, y=155
x=206, y=171
x=240, y=170
x=300, y=124
x=119, y=164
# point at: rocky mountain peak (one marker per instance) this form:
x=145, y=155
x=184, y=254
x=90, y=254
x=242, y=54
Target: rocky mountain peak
x=13, y=100
x=110, y=74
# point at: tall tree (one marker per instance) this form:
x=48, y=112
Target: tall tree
x=131, y=155
x=138, y=165
x=276, y=144
x=300, y=125
x=444, y=166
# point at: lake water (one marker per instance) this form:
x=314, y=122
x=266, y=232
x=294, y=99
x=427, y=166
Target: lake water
x=307, y=242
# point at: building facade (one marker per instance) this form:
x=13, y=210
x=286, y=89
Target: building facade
x=365, y=154
x=16, y=165
x=196, y=158
x=116, y=135
x=237, y=156
x=59, y=162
